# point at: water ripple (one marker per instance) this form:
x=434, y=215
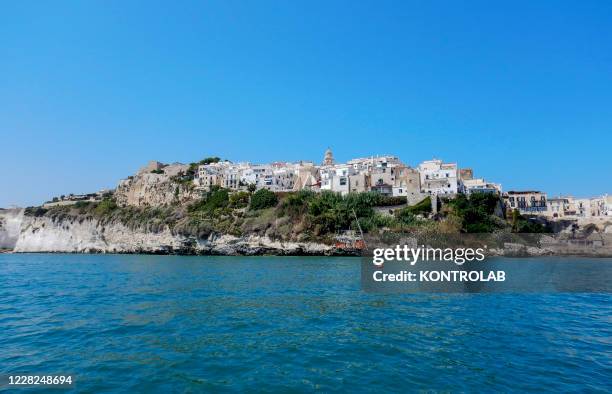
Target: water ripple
x=192, y=324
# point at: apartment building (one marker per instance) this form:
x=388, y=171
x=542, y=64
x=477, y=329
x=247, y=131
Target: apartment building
x=527, y=202
x=479, y=185
x=438, y=178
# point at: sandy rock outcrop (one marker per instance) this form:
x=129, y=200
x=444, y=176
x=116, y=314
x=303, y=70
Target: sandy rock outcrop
x=156, y=185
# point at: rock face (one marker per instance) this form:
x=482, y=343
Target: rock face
x=10, y=226
x=156, y=187
x=42, y=234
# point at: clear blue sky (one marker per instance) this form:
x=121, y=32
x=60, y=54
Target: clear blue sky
x=92, y=90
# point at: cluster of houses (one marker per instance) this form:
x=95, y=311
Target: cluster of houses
x=388, y=176
x=385, y=174
x=537, y=203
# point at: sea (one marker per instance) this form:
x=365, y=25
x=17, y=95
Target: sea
x=144, y=323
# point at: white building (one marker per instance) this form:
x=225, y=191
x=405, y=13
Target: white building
x=365, y=164
x=479, y=185
x=438, y=177
x=607, y=211
x=385, y=174
x=284, y=178
x=530, y=202
x=582, y=207
x=209, y=175
x=336, y=178
x=560, y=207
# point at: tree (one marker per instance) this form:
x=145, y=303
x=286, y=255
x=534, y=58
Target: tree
x=263, y=198
x=209, y=160
x=251, y=188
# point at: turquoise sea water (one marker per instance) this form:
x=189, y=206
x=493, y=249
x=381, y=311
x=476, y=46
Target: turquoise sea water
x=136, y=323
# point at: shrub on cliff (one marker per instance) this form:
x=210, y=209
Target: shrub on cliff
x=218, y=198
x=35, y=211
x=105, y=207
x=376, y=221
x=521, y=224
x=387, y=201
x=81, y=204
x=476, y=212
x=239, y=200
x=405, y=215
x=296, y=204
x=263, y=198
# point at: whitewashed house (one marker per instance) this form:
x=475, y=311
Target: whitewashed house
x=479, y=185
x=336, y=178
x=438, y=177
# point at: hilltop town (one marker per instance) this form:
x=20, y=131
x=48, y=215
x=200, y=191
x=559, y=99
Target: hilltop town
x=219, y=207
x=384, y=174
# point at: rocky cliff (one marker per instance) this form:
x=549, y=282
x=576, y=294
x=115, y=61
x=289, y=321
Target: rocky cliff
x=10, y=227
x=157, y=185
x=21, y=232
x=89, y=235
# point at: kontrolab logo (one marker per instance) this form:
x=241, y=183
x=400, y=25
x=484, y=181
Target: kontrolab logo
x=413, y=255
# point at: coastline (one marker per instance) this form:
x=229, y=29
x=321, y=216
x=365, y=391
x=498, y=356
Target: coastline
x=333, y=253
x=72, y=231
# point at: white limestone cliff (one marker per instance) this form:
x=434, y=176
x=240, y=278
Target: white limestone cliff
x=10, y=227
x=42, y=234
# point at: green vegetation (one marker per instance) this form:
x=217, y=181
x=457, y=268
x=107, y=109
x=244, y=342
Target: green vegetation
x=193, y=169
x=81, y=204
x=387, y=201
x=35, y=211
x=328, y=212
x=476, y=212
x=405, y=216
x=239, y=200
x=209, y=160
x=301, y=216
x=215, y=199
x=520, y=224
x=105, y=207
x=421, y=208
x=157, y=171
x=262, y=199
